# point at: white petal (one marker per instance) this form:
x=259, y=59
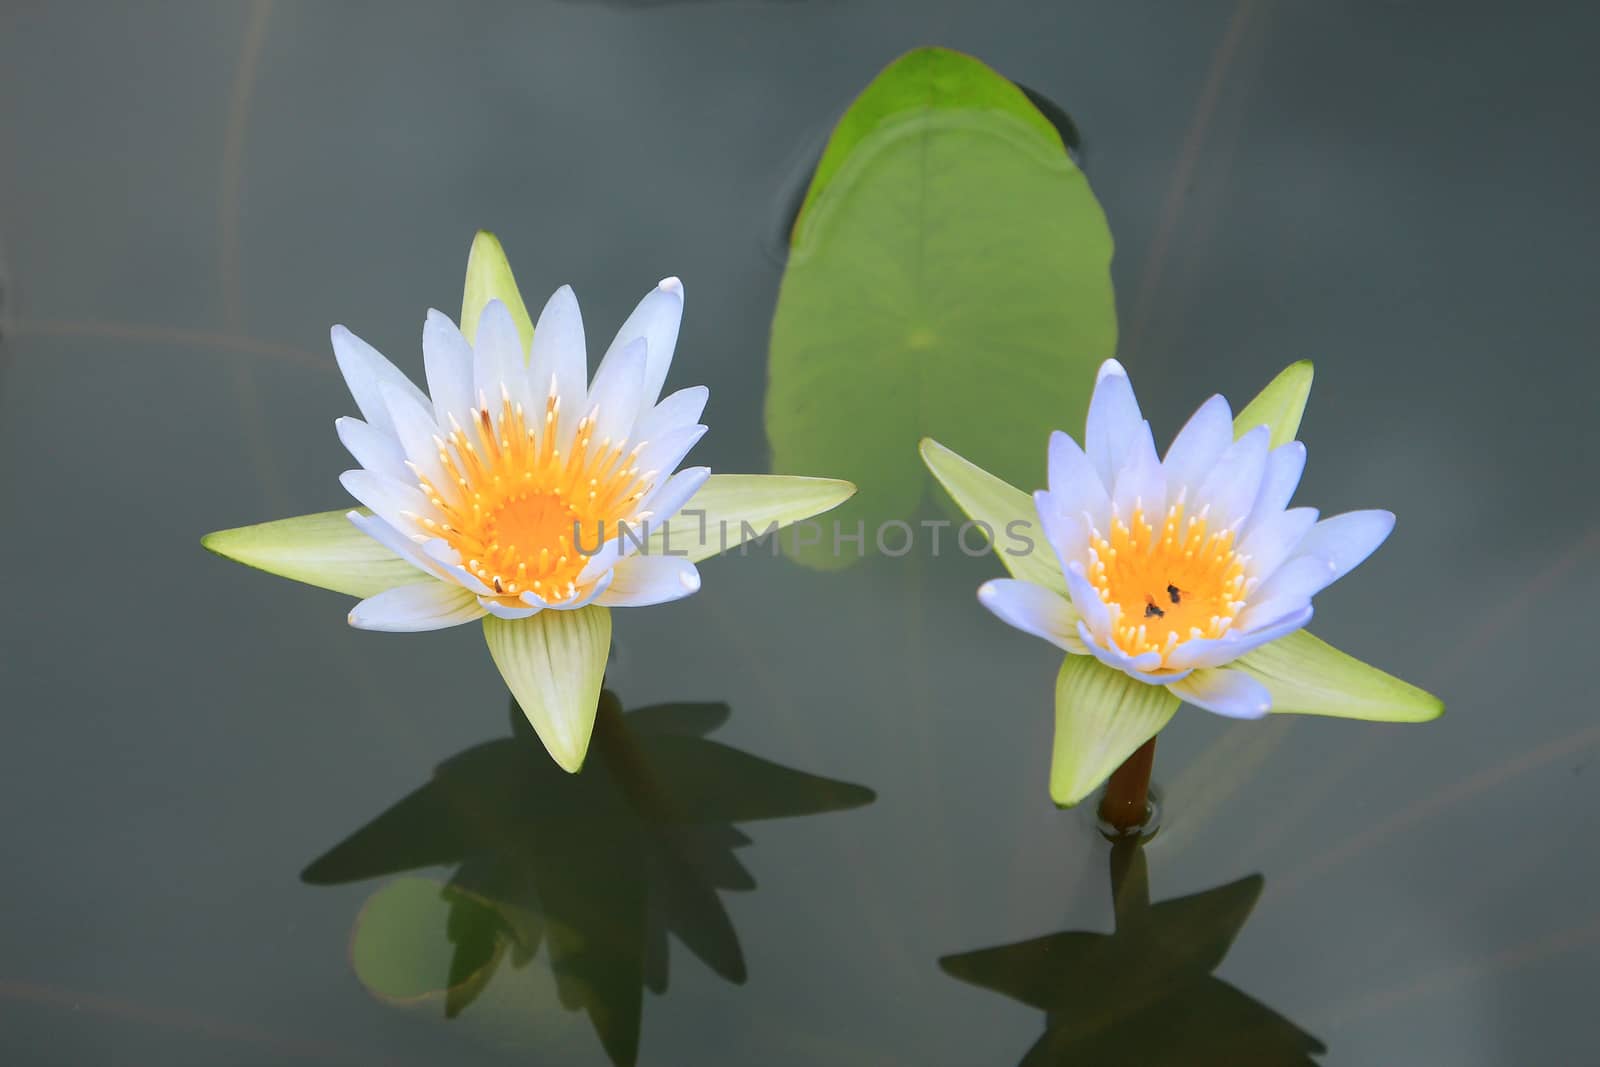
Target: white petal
x=1114, y=427
x=656, y=321
x=558, y=355
x=661, y=455
x=447, y=358
x=641, y=580
x=395, y=541
x=394, y=502
x=366, y=372
x=1033, y=610
x=1285, y=465
x=498, y=361
x=1230, y=693
x=1087, y=601
x=500, y=610
x=614, y=395
x=1199, y=445
x=424, y=606
x=1230, y=488
x=1140, y=667
x=1276, y=538
x=412, y=418
x=375, y=450
x=1343, y=541
x=682, y=408
x=448, y=561
x=670, y=497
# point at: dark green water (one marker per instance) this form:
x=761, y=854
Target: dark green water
x=190, y=194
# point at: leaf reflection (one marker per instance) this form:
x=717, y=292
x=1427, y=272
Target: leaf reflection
x=1143, y=995
x=596, y=868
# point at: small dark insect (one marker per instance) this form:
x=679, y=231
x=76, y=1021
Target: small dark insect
x=1150, y=609
x=1175, y=593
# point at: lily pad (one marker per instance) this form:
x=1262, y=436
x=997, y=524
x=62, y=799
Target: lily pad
x=949, y=276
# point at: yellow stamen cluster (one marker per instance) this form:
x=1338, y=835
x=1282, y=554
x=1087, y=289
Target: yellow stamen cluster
x=1168, y=586
x=513, y=502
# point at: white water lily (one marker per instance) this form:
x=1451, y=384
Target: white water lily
x=1186, y=576
x=520, y=491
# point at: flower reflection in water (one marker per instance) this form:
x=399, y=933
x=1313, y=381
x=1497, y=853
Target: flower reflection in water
x=596, y=868
x=1144, y=995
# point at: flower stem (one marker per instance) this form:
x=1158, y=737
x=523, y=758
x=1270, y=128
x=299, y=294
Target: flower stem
x=1126, y=804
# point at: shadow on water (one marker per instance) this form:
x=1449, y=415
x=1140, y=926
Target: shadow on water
x=596, y=868
x=1144, y=995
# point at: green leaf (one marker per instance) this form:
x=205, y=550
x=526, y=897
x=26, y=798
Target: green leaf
x=949, y=276
x=324, y=550
x=402, y=949
x=1278, y=406
x=1308, y=676
x=1004, y=509
x=733, y=508
x=489, y=278
x=553, y=663
x=1102, y=717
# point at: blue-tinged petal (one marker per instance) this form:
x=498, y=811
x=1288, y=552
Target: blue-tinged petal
x=1074, y=483
x=676, y=411
x=1066, y=531
x=1230, y=488
x=553, y=664
x=638, y=581
x=394, y=502
x=1217, y=651
x=1146, y=666
x=1086, y=600
x=1302, y=576
x=1285, y=465
x=615, y=394
x=1114, y=427
x=375, y=450
x=367, y=373
x=411, y=608
x=656, y=321
x=661, y=455
x=418, y=434
x=1343, y=541
x=558, y=357
x=1141, y=484
x=1226, y=692
x=1031, y=609
x=1102, y=717
x=498, y=362
x=1276, y=538
x=1199, y=445
x=447, y=359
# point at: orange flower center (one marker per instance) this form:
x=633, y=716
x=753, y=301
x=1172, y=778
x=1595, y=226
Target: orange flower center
x=524, y=516
x=1168, y=585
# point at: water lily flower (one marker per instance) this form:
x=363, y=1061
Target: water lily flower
x=521, y=492
x=1184, y=577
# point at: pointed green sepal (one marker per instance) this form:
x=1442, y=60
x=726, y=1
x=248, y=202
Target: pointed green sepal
x=489, y=278
x=1279, y=406
x=1308, y=676
x=731, y=509
x=1007, y=511
x=553, y=663
x=1102, y=717
x=325, y=550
